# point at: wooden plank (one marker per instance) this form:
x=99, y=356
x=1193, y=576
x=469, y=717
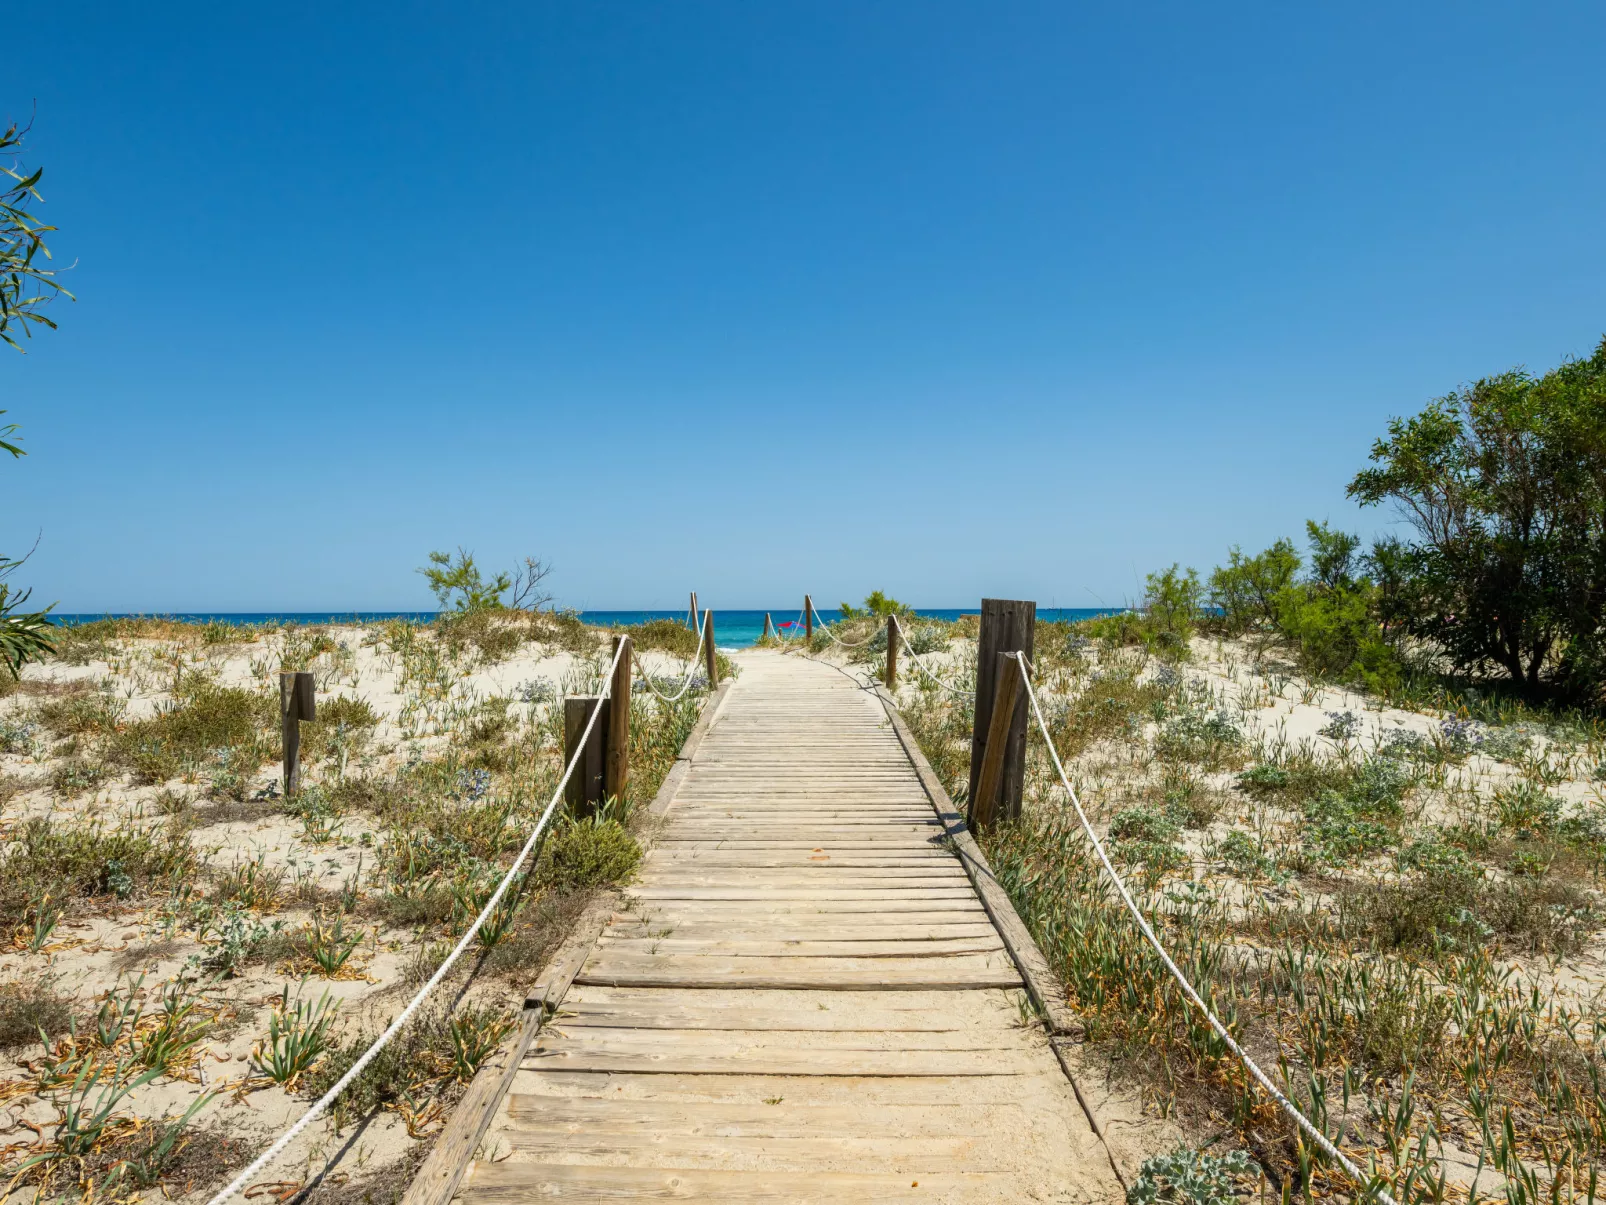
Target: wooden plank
x=881, y=1021
x=780, y=1120
x=915, y=1155
x=777, y=976
x=844, y=895
x=519, y=1182
x=561, y=1034
x=775, y=930
x=648, y=1060
x=770, y=947
x=800, y=905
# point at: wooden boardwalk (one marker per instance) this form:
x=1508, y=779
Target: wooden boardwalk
x=801, y=998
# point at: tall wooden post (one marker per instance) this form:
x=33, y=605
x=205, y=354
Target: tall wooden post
x=1006, y=693
x=1007, y=626
x=693, y=621
x=584, y=791
x=892, y=652
x=710, y=658
x=808, y=618
x=769, y=627
x=616, y=759
x=298, y=700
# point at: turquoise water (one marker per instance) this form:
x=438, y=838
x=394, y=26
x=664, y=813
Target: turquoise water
x=732, y=629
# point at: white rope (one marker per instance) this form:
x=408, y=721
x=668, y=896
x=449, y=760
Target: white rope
x=1288, y=1107
x=921, y=665
x=847, y=644
x=383, y=1040
x=691, y=669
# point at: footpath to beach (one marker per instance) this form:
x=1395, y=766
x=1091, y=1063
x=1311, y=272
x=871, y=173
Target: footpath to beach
x=801, y=998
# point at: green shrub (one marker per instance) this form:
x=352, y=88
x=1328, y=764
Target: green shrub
x=1239, y=853
x=668, y=635
x=1246, y=590
x=588, y=853
x=1212, y=741
x=87, y=859
x=203, y=720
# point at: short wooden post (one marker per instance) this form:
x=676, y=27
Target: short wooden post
x=695, y=618
x=616, y=761
x=584, y=791
x=298, y=700
x=892, y=652
x=1006, y=693
x=808, y=618
x=1007, y=626
x=710, y=658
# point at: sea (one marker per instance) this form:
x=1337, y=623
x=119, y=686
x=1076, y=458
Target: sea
x=732, y=629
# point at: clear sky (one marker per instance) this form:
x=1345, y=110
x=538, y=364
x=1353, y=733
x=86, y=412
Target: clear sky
x=1006, y=299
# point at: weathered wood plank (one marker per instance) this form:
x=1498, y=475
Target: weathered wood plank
x=518, y=1182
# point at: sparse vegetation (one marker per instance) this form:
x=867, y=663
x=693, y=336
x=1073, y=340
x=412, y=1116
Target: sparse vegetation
x=144, y=817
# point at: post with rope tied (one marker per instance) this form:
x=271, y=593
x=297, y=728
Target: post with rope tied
x=602, y=770
x=298, y=700
x=892, y=652
x=998, y=740
x=808, y=618
x=616, y=760
x=710, y=659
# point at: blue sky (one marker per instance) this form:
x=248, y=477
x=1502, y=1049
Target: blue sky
x=1005, y=299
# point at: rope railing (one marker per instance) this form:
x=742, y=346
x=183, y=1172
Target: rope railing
x=920, y=664
x=904, y=635
x=691, y=670
x=328, y=1098
x=847, y=644
x=1371, y=1184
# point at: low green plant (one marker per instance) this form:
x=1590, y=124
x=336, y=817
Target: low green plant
x=252, y=883
x=298, y=1038
x=178, y=1030
x=330, y=946
x=1190, y=1177
x=474, y=1035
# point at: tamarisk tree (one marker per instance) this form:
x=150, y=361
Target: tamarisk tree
x=27, y=285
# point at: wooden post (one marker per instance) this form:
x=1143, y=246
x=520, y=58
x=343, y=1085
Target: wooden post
x=1006, y=693
x=710, y=658
x=892, y=652
x=769, y=628
x=584, y=791
x=808, y=618
x=1006, y=627
x=298, y=700
x=616, y=760
x=695, y=618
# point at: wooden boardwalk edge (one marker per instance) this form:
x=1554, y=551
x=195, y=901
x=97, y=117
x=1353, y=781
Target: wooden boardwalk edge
x=1041, y=982
x=438, y=1176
